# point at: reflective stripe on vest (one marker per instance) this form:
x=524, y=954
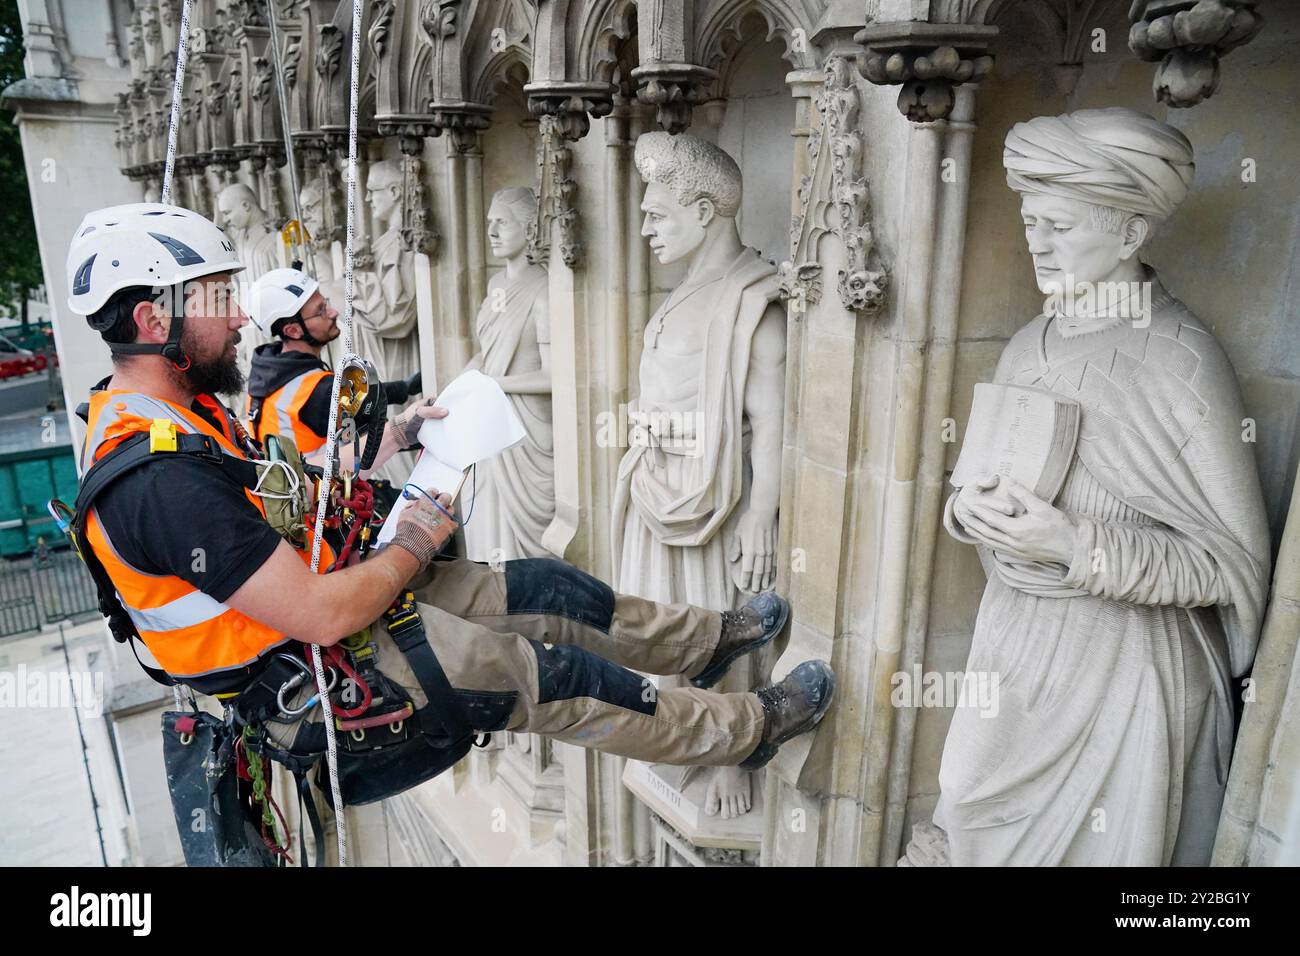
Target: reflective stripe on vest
x=281, y=412
x=188, y=632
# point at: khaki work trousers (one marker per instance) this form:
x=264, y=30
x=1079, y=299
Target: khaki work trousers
x=537, y=646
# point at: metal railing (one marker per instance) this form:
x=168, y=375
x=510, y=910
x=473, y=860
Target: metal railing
x=47, y=587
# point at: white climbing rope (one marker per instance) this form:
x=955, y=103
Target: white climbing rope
x=331, y=441
x=178, y=86
x=182, y=49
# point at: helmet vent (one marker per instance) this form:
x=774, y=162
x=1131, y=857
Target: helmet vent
x=183, y=254
x=81, y=281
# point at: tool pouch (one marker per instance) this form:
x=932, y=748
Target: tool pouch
x=387, y=750
x=214, y=830
x=380, y=772
x=285, y=507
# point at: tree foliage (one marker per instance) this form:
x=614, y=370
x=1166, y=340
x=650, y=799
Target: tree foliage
x=20, y=263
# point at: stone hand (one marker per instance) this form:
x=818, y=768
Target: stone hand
x=422, y=529
x=406, y=424
x=753, y=545
x=1021, y=524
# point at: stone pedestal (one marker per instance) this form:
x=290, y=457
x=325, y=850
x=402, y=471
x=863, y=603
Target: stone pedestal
x=676, y=797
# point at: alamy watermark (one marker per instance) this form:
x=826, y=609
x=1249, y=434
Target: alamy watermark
x=677, y=432
x=52, y=688
x=1120, y=300
x=977, y=689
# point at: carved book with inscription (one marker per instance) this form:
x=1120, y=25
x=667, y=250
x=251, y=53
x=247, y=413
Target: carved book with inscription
x=1023, y=433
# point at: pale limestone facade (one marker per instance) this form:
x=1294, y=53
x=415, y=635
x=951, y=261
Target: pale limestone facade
x=907, y=276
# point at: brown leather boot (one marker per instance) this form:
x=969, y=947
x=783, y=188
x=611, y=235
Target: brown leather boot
x=792, y=707
x=743, y=631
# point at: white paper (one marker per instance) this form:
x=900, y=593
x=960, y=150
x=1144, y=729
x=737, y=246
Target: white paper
x=480, y=423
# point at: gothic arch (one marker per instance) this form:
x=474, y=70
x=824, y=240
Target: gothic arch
x=606, y=25
x=722, y=31
x=511, y=66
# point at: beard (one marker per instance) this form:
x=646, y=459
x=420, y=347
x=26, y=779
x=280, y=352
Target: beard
x=212, y=376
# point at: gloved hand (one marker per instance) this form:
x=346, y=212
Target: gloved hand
x=422, y=529
x=396, y=393
x=406, y=424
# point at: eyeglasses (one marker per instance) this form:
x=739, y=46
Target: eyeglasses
x=322, y=313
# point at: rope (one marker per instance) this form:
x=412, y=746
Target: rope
x=288, y=137
x=331, y=441
x=182, y=50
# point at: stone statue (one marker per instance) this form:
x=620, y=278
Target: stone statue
x=259, y=248
x=256, y=240
x=695, y=508
x=312, y=202
x=385, y=296
x=514, y=493
x=311, y=199
x=1114, y=616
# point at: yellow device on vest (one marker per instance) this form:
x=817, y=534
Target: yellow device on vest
x=162, y=435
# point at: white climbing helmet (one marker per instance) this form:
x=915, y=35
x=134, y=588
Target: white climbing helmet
x=142, y=244
x=279, y=294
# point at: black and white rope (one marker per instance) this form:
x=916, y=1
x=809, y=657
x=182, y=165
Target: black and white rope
x=178, y=86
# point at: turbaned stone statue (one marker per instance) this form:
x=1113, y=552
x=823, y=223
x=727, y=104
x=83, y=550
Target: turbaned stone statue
x=1114, y=617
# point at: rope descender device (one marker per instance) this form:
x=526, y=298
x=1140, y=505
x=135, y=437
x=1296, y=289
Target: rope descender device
x=295, y=237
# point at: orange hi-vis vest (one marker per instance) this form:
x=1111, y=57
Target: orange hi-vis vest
x=281, y=412
x=190, y=634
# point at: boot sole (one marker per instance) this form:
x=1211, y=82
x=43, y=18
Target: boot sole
x=716, y=672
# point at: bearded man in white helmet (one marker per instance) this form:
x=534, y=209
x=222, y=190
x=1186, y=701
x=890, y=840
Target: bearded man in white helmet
x=169, y=475
x=290, y=385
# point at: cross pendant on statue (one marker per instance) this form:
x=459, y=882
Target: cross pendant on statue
x=654, y=342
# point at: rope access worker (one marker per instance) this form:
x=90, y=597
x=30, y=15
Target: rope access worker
x=289, y=385
x=204, y=581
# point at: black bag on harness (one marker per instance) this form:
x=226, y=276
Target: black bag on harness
x=198, y=751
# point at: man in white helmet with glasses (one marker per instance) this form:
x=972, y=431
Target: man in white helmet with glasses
x=169, y=477
x=289, y=384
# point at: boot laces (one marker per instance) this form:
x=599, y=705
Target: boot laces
x=776, y=696
x=733, y=620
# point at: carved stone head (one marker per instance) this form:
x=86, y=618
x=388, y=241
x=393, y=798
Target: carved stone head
x=692, y=189
x=384, y=190
x=507, y=221
x=237, y=207
x=1093, y=186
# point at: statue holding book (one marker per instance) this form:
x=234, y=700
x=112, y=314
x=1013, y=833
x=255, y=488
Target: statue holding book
x=1106, y=481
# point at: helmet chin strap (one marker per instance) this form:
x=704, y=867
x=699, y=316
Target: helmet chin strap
x=170, y=350
x=307, y=337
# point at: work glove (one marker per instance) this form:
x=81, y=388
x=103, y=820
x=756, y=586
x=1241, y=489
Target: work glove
x=396, y=393
x=422, y=529
x=406, y=424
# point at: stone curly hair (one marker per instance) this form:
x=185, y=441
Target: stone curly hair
x=692, y=168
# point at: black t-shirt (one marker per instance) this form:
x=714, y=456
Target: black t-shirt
x=181, y=516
